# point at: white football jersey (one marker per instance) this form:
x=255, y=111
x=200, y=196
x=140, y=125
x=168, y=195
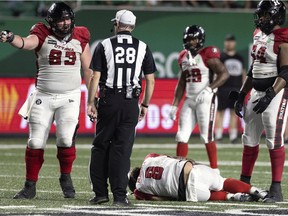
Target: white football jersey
x=58, y=62
x=265, y=51
x=159, y=175
x=196, y=71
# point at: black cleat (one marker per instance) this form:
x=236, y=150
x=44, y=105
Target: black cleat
x=242, y=197
x=274, y=194
x=122, y=203
x=28, y=192
x=67, y=186
x=98, y=200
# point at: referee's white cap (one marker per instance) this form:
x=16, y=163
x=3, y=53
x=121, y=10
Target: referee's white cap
x=125, y=17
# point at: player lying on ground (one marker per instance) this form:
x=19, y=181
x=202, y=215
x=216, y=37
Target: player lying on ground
x=165, y=178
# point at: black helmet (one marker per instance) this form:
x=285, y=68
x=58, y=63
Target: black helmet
x=59, y=11
x=194, y=31
x=274, y=13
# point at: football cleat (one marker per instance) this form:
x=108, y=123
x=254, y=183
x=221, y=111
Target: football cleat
x=274, y=194
x=28, y=192
x=242, y=197
x=122, y=203
x=98, y=200
x=67, y=186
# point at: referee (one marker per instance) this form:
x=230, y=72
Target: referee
x=117, y=66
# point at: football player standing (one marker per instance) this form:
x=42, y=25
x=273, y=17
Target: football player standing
x=198, y=65
x=61, y=49
x=266, y=108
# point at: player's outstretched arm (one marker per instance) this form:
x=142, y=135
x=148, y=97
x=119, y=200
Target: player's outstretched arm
x=218, y=68
x=27, y=43
x=85, y=63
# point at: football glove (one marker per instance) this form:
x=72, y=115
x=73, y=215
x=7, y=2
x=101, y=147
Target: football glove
x=6, y=36
x=263, y=103
x=203, y=94
x=173, y=112
x=238, y=106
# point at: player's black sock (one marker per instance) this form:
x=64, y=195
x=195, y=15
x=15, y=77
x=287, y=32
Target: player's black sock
x=245, y=179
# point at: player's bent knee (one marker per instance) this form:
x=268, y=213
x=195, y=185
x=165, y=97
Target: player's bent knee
x=64, y=142
x=35, y=143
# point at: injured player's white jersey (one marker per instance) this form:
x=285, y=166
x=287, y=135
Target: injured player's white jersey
x=265, y=52
x=159, y=175
x=58, y=62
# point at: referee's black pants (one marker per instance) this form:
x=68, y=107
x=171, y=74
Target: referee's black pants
x=112, y=146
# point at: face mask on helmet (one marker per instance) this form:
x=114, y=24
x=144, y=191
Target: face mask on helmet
x=59, y=12
x=269, y=14
x=193, y=39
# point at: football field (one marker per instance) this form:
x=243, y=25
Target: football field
x=49, y=199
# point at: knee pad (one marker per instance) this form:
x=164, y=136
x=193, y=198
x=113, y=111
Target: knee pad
x=36, y=143
x=64, y=142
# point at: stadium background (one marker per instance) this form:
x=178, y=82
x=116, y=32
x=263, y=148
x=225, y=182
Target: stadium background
x=160, y=28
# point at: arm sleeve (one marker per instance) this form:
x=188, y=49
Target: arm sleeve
x=212, y=52
x=98, y=61
x=148, y=65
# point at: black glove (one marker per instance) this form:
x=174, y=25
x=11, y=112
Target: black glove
x=263, y=103
x=9, y=36
x=238, y=106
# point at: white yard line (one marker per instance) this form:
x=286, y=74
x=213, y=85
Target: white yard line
x=171, y=206
x=240, y=204
x=136, y=146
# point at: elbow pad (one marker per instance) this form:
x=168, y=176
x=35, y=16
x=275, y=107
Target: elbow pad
x=283, y=73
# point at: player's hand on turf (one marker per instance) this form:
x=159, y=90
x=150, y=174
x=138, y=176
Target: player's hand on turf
x=173, y=112
x=263, y=103
x=204, y=94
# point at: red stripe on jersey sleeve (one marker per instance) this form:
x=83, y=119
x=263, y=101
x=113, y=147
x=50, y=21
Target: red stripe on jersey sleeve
x=281, y=36
x=82, y=34
x=209, y=53
x=41, y=31
x=152, y=155
x=182, y=55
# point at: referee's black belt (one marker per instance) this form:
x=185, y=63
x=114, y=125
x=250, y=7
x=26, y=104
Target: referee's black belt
x=115, y=90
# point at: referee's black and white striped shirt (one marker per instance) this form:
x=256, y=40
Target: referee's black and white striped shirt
x=121, y=60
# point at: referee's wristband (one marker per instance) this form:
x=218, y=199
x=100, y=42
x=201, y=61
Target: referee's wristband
x=144, y=105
